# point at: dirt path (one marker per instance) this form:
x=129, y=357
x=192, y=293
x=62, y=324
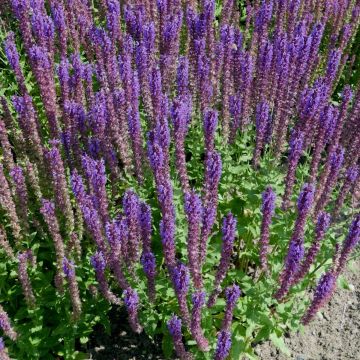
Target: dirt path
x=333, y=335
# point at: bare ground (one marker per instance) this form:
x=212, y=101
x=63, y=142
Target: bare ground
x=335, y=332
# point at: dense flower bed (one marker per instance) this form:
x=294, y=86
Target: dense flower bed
x=193, y=161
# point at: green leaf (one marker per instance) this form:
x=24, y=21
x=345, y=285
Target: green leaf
x=84, y=339
x=167, y=345
x=280, y=344
x=238, y=349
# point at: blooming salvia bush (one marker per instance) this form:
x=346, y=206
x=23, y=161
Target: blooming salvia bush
x=190, y=162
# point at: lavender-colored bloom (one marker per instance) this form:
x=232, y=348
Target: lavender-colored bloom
x=181, y=280
x=296, y=245
x=68, y=267
x=136, y=139
x=95, y=172
x=210, y=125
x=8, y=205
x=213, y=169
x=351, y=176
x=48, y=212
x=143, y=64
x=333, y=64
x=21, y=10
x=292, y=262
x=149, y=265
x=232, y=294
x=8, y=158
x=57, y=171
x=21, y=191
x=174, y=326
x=323, y=292
x=181, y=115
x=198, y=300
x=183, y=76
x=131, y=300
x=43, y=30
x=6, y=326
x=296, y=148
x=117, y=235
x=14, y=61
x=69, y=271
x=327, y=123
x=228, y=232
x=193, y=210
x=44, y=75
x=3, y=352
x=322, y=225
x=99, y=264
x=223, y=345
x=24, y=258
x=5, y=245
x=113, y=21
x=235, y=111
x=145, y=220
x=131, y=205
x=262, y=123
x=349, y=243
x=267, y=209
x=28, y=123
x=336, y=159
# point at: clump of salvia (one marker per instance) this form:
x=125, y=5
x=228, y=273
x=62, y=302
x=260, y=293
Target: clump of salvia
x=104, y=149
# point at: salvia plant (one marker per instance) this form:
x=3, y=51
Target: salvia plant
x=194, y=163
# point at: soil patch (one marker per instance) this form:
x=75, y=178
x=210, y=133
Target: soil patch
x=334, y=333
x=122, y=343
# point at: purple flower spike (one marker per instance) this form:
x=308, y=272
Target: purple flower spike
x=351, y=176
x=14, y=61
x=99, y=264
x=48, y=212
x=336, y=159
x=181, y=281
x=131, y=205
x=296, y=148
x=131, y=300
x=323, y=292
x=232, y=294
x=296, y=245
x=149, y=265
x=146, y=227
x=25, y=258
x=267, y=209
x=210, y=125
x=350, y=242
x=322, y=226
x=5, y=325
x=69, y=271
x=181, y=116
x=68, y=267
x=193, y=210
x=292, y=262
x=21, y=191
x=223, y=345
x=228, y=231
x=174, y=326
x=198, y=300
x=262, y=125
